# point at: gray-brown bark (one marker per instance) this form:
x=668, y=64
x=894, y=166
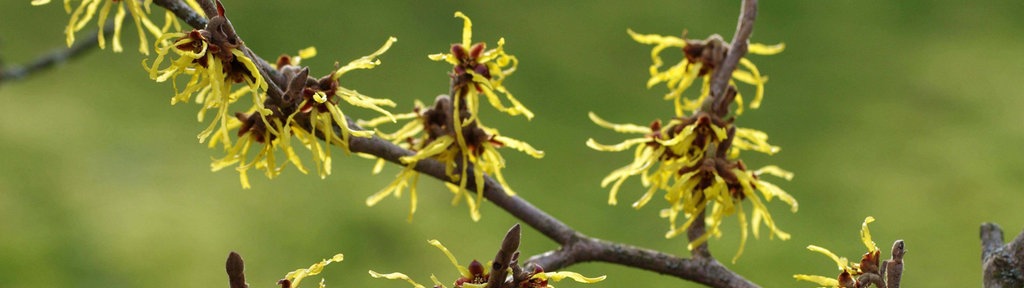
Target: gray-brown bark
x=1002, y=264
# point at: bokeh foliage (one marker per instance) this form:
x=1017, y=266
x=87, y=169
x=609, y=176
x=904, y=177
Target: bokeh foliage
x=904, y=110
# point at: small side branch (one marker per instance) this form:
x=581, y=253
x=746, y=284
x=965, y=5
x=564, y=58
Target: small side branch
x=55, y=57
x=1002, y=265
x=695, y=231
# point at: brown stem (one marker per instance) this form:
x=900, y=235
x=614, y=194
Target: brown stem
x=209, y=7
x=738, y=48
x=696, y=230
x=718, y=101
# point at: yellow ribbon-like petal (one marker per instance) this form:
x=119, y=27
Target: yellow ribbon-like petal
x=865, y=235
x=820, y=280
x=396, y=276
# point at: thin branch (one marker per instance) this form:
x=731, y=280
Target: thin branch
x=210, y=8
x=55, y=57
x=706, y=271
x=738, y=48
x=696, y=230
x=720, y=99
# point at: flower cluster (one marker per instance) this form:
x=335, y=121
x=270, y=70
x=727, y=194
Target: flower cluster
x=100, y=9
x=449, y=130
x=694, y=156
x=700, y=57
x=214, y=59
x=866, y=273
x=476, y=275
x=292, y=279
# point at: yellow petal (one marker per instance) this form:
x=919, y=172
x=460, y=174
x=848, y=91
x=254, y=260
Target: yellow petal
x=558, y=276
x=308, y=52
x=656, y=39
x=365, y=62
x=296, y=276
x=617, y=147
x=467, y=29
x=775, y=171
x=762, y=49
x=842, y=263
x=820, y=280
x=621, y=128
x=756, y=80
x=395, y=276
x=462, y=270
x=519, y=145
x=770, y=189
x=865, y=234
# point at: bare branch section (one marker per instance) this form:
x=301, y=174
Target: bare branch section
x=721, y=96
x=706, y=271
x=54, y=58
x=738, y=49
x=1002, y=265
x=576, y=247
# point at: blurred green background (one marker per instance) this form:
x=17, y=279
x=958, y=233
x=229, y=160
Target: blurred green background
x=908, y=111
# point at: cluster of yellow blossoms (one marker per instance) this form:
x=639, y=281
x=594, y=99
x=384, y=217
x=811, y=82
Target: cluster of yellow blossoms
x=213, y=68
x=694, y=157
x=219, y=70
x=450, y=131
x=477, y=275
x=214, y=59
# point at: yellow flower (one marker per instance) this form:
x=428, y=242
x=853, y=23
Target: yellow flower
x=699, y=56
x=292, y=279
x=688, y=159
x=429, y=133
x=214, y=59
x=477, y=71
x=454, y=133
x=476, y=274
x=851, y=274
x=139, y=11
x=313, y=107
x=213, y=64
